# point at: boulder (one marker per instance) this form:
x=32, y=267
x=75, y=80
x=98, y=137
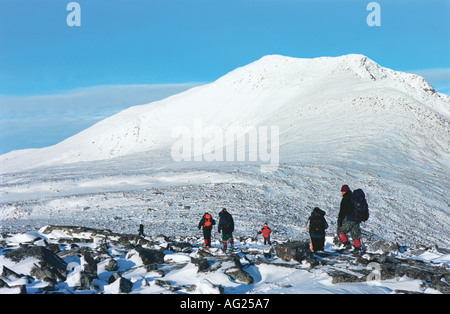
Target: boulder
x=124, y=285
x=201, y=263
x=345, y=277
x=119, y=284
x=80, y=280
x=46, y=273
x=383, y=246
x=89, y=265
x=184, y=247
x=295, y=250
x=150, y=256
x=9, y=274
x=3, y=284
x=73, y=230
x=50, y=267
x=19, y=289
x=41, y=253
x=238, y=273
x=112, y=265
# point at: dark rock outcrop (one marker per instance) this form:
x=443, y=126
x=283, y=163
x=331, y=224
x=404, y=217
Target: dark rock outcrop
x=296, y=250
x=150, y=256
x=50, y=266
x=238, y=273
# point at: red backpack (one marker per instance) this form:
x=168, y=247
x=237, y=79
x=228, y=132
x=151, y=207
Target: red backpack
x=208, y=222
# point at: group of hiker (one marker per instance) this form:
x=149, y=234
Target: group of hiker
x=226, y=227
x=353, y=210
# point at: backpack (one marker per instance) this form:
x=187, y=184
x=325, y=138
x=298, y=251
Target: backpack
x=225, y=218
x=316, y=225
x=360, y=205
x=208, y=222
x=226, y=222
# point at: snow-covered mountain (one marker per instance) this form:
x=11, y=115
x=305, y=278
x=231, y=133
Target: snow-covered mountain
x=340, y=120
x=319, y=104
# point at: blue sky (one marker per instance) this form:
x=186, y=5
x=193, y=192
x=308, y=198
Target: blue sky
x=54, y=78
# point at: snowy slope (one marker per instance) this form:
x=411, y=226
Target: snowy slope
x=309, y=99
x=341, y=120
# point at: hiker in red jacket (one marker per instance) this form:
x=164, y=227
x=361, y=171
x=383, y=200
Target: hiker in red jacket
x=206, y=223
x=266, y=233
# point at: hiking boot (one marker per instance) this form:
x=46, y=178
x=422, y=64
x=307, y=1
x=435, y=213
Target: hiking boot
x=346, y=245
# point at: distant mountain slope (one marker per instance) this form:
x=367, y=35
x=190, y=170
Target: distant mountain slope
x=320, y=106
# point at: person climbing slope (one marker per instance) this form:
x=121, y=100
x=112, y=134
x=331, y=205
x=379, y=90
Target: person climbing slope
x=206, y=223
x=316, y=226
x=266, y=233
x=226, y=226
x=141, y=230
x=347, y=221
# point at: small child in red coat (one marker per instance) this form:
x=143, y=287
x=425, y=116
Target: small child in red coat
x=266, y=234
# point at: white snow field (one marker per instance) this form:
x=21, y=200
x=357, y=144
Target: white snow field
x=340, y=120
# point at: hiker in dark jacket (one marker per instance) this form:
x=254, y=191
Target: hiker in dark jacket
x=226, y=226
x=141, y=230
x=206, y=223
x=317, y=226
x=347, y=222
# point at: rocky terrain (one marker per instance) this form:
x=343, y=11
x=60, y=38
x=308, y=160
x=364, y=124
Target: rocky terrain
x=80, y=260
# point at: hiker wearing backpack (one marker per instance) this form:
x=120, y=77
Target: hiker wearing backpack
x=266, y=233
x=226, y=226
x=352, y=212
x=317, y=226
x=206, y=223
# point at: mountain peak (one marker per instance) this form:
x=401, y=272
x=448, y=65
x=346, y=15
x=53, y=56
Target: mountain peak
x=288, y=70
x=274, y=90
x=277, y=58
x=272, y=71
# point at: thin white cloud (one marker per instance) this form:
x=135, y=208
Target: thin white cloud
x=97, y=101
x=436, y=74
x=44, y=120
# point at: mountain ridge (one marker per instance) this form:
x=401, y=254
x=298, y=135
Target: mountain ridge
x=254, y=94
